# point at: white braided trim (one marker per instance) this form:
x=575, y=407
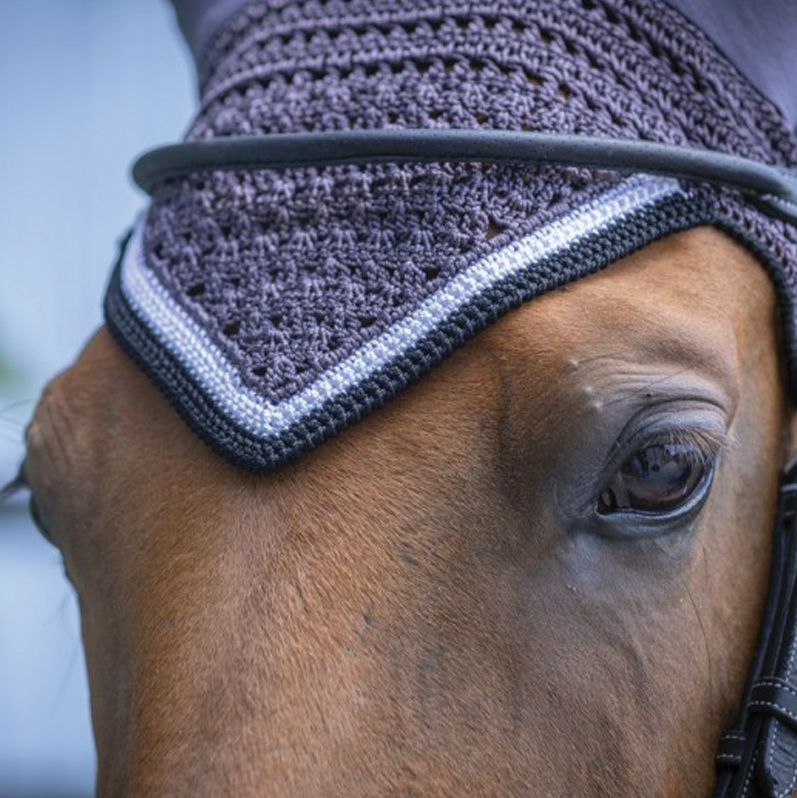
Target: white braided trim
x=205, y=362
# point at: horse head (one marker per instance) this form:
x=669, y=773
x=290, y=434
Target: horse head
x=524, y=553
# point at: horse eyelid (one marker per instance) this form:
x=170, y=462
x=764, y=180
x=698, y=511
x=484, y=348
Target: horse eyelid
x=710, y=443
x=709, y=440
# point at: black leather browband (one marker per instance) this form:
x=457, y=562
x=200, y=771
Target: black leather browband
x=773, y=188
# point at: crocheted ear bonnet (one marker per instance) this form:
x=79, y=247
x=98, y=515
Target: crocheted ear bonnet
x=276, y=307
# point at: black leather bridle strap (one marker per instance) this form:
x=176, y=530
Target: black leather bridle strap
x=776, y=698
x=757, y=758
x=772, y=187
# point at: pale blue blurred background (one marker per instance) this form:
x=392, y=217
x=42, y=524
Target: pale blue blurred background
x=85, y=85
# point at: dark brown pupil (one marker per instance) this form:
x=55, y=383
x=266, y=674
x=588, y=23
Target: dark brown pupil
x=655, y=479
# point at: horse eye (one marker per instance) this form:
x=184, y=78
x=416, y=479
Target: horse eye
x=656, y=479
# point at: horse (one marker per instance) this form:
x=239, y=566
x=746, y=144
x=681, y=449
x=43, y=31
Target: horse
x=538, y=570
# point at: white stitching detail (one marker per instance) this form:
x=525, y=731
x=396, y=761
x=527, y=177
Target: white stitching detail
x=786, y=792
x=781, y=685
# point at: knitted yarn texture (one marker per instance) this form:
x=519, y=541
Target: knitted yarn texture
x=275, y=307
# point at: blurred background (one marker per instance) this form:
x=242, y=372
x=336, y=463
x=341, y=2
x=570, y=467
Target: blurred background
x=85, y=85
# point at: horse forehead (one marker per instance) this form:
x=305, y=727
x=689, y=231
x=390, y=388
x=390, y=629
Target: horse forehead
x=687, y=297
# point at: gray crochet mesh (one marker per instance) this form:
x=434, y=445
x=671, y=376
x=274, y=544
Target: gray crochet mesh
x=289, y=272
